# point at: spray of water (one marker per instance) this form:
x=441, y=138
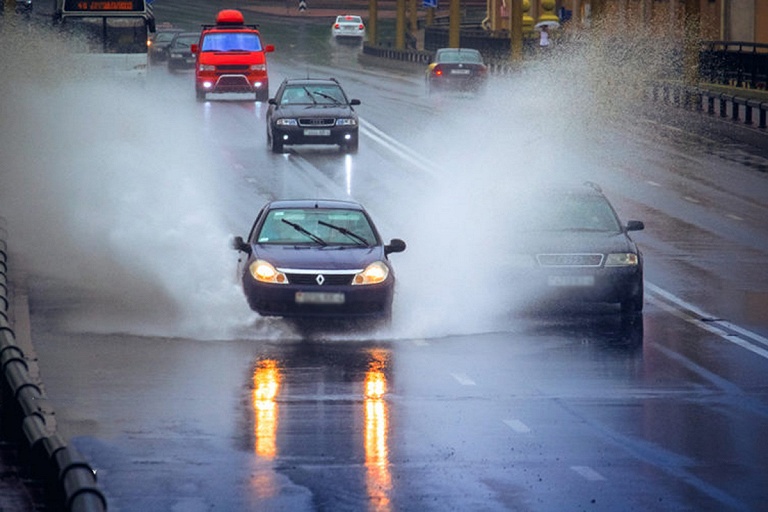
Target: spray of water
x=106, y=190
x=547, y=122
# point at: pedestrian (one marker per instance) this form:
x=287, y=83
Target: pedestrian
x=544, y=38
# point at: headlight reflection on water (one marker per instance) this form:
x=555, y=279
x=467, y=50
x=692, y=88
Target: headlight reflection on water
x=378, y=477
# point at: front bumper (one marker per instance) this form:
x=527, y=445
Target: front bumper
x=298, y=301
x=603, y=284
x=294, y=135
x=232, y=83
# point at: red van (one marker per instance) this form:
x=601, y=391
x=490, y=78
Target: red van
x=231, y=58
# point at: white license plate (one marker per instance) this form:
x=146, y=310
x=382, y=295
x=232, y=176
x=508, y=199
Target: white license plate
x=571, y=280
x=319, y=298
x=459, y=71
x=315, y=132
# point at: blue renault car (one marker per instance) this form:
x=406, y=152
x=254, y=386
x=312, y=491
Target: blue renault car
x=317, y=258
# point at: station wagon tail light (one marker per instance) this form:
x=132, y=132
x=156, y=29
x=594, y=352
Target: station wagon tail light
x=361, y=26
x=624, y=259
x=336, y=26
x=374, y=273
x=265, y=272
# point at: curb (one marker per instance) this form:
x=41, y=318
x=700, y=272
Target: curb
x=27, y=419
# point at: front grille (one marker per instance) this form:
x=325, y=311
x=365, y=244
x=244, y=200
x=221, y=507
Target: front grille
x=570, y=260
x=317, y=121
x=327, y=280
x=232, y=68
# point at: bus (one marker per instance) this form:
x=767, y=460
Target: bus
x=111, y=34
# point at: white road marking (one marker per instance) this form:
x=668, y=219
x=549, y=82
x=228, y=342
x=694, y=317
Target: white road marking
x=518, y=426
x=726, y=330
x=733, y=216
x=588, y=473
x=463, y=379
x=691, y=199
x=654, y=184
x=420, y=343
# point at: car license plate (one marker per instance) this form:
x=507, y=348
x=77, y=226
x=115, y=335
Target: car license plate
x=571, y=280
x=319, y=298
x=459, y=71
x=315, y=132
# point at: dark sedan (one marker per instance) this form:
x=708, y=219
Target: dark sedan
x=458, y=69
x=180, y=54
x=312, y=111
x=317, y=258
x=568, y=245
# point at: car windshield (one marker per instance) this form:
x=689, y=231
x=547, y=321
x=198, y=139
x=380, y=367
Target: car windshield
x=293, y=226
x=185, y=41
x=231, y=41
x=460, y=56
x=164, y=37
x=311, y=94
x=570, y=212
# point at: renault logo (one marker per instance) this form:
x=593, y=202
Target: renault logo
x=320, y=279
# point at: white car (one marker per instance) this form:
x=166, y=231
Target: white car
x=348, y=26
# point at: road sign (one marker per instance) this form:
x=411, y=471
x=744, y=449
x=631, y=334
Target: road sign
x=429, y=3
x=302, y=5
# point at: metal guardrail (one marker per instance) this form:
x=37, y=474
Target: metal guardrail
x=737, y=63
x=748, y=111
x=27, y=419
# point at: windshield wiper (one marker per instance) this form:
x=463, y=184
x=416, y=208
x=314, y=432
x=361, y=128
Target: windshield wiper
x=328, y=96
x=311, y=95
x=301, y=229
x=344, y=231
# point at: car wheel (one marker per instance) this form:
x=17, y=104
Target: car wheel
x=262, y=96
x=276, y=145
x=200, y=95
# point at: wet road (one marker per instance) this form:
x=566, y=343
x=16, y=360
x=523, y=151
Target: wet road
x=184, y=400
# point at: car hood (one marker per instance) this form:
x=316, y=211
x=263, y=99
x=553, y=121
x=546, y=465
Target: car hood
x=552, y=242
x=321, y=110
x=318, y=258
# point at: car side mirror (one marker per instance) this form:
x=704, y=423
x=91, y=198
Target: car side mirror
x=193, y=48
x=354, y=102
x=395, y=245
x=239, y=244
x=272, y=101
x=269, y=48
x=635, y=225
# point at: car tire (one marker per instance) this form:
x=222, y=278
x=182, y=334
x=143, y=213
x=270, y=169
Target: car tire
x=262, y=96
x=275, y=145
x=200, y=95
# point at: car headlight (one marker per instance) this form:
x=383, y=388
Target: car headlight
x=374, y=273
x=258, y=67
x=622, y=259
x=286, y=122
x=346, y=121
x=207, y=67
x=265, y=272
